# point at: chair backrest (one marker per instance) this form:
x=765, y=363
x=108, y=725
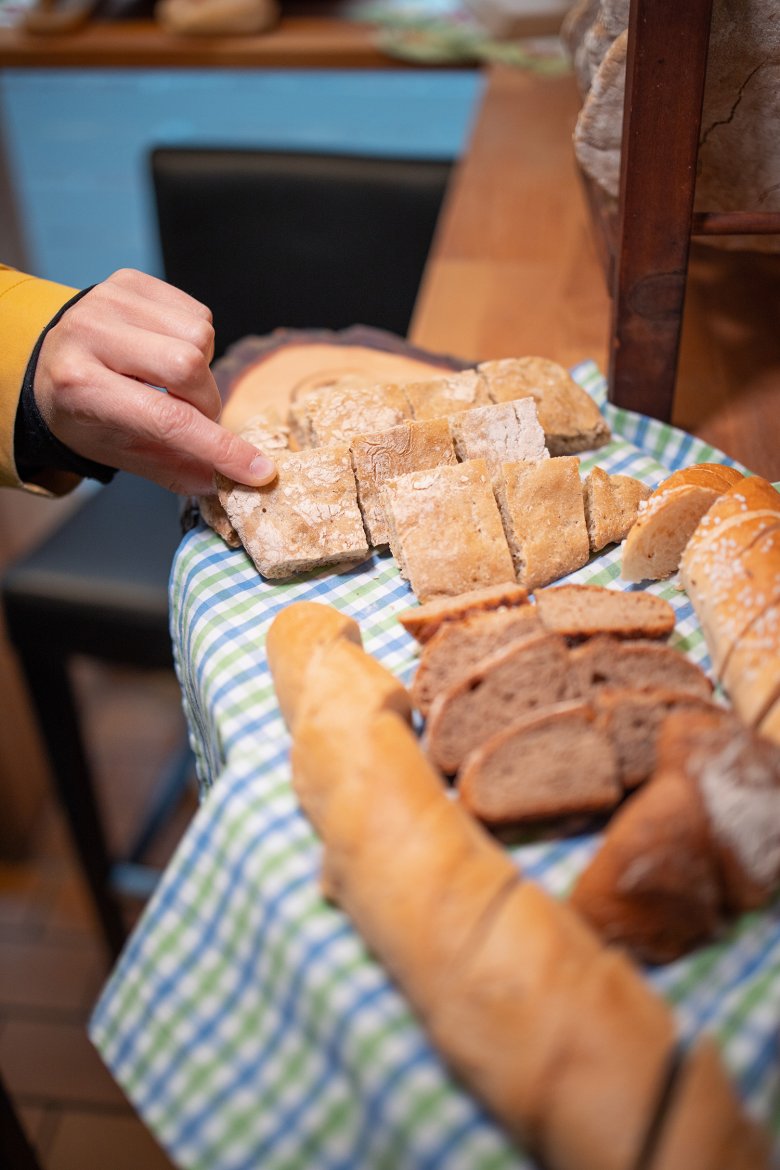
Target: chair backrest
x=296, y=240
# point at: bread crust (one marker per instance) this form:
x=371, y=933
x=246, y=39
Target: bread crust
x=293, y=639
x=584, y=611
x=447, y=395
x=423, y=621
x=611, y=506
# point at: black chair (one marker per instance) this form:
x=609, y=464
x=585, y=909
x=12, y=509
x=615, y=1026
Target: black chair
x=98, y=586
x=297, y=240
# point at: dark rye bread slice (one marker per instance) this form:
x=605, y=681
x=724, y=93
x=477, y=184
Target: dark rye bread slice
x=583, y=611
x=550, y=763
x=457, y=647
x=610, y=662
x=423, y=621
x=631, y=720
x=530, y=673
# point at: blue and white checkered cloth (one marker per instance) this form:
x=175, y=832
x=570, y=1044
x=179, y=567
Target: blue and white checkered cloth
x=245, y=1020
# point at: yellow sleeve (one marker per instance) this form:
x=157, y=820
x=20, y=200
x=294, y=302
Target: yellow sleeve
x=27, y=304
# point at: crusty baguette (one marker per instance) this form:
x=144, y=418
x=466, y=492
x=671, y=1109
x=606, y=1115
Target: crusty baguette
x=293, y=638
x=561, y=1039
x=423, y=621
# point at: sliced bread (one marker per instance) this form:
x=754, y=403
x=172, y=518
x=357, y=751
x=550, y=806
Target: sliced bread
x=522, y=676
x=550, y=763
x=445, y=530
x=610, y=662
x=543, y=514
x=611, y=506
x=447, y=395
x=423, y=621
x=457, y=647
x=583, y=611
x=500, y=433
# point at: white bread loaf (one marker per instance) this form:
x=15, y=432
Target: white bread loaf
x=560, y=1038
x=293, y=638
x=731, y=572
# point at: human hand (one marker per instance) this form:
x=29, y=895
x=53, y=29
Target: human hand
x=96, y=378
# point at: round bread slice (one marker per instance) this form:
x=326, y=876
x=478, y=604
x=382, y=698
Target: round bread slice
x=655, y=543
x=551, y=763
x=609, y=662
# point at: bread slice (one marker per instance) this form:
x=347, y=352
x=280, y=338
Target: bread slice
x=447, y=395
x=610, y=662
x=583, y=611
x=524, y=675
x=445, y=530
x=544, y=519
x=631, y=719
x=423, y=621
x=306, y=518
x=384, y=455
x=335, y=414
x=500, y=433
x=267, y=432
x=457, y=647
x=715, y=475
x=752, y=673
x=611, y=506
x=550, y=763
x=664, y=525
x=570, y=419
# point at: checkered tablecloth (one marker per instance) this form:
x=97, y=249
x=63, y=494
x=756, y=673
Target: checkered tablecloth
x=245, y=1020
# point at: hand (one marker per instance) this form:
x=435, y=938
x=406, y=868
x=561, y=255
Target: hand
x=96, y=379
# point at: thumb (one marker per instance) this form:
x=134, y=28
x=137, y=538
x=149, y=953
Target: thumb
x=240, y=461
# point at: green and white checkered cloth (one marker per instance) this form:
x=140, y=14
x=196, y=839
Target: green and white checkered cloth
x=245, y=1020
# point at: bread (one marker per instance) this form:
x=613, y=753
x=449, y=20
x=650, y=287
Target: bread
x=570, y=419
x=631, y=720
x=769, y=726
x=445, y=530
x=666, y=522
x=549, y=763
x=458, y=646
x=604, y=661
x=524, y=675
x=582, y=611
x=335, y=414
x=559, y=1037
x=611, y=506
x=731, y=572
x=447, y=395
x=423, y=621
x=306, y=518
x=500, y=433
x=376, y=458
x=700, y=841
x=293, y=639
x=269, y=434
x=544, y=519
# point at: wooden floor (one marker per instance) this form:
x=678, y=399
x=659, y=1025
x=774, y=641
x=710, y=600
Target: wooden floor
x=51, y=963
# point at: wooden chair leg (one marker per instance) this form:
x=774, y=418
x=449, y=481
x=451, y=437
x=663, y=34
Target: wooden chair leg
x=665, y=73
x=15, y=1150
x=52, y=694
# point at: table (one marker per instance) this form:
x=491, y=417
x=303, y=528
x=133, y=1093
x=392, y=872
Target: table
x=245, y=1020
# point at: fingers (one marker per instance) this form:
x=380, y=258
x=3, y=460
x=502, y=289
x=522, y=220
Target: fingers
x=153, y=289
x=120, y=422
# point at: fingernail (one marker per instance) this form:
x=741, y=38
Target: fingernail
x=262, y=470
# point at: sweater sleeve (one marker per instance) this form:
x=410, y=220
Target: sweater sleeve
x=27, y=304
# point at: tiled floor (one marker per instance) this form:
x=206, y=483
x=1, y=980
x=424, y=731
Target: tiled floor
x=52, y=964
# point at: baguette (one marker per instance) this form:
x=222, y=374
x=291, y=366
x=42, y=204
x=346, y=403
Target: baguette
x=294, y=637
x=559, y=1037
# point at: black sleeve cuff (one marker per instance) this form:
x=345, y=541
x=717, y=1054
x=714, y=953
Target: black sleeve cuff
x=36, y=449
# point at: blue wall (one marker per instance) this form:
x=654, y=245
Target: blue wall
x=77, y=141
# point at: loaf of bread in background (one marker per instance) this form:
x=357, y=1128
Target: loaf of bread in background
x=559, y=1037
